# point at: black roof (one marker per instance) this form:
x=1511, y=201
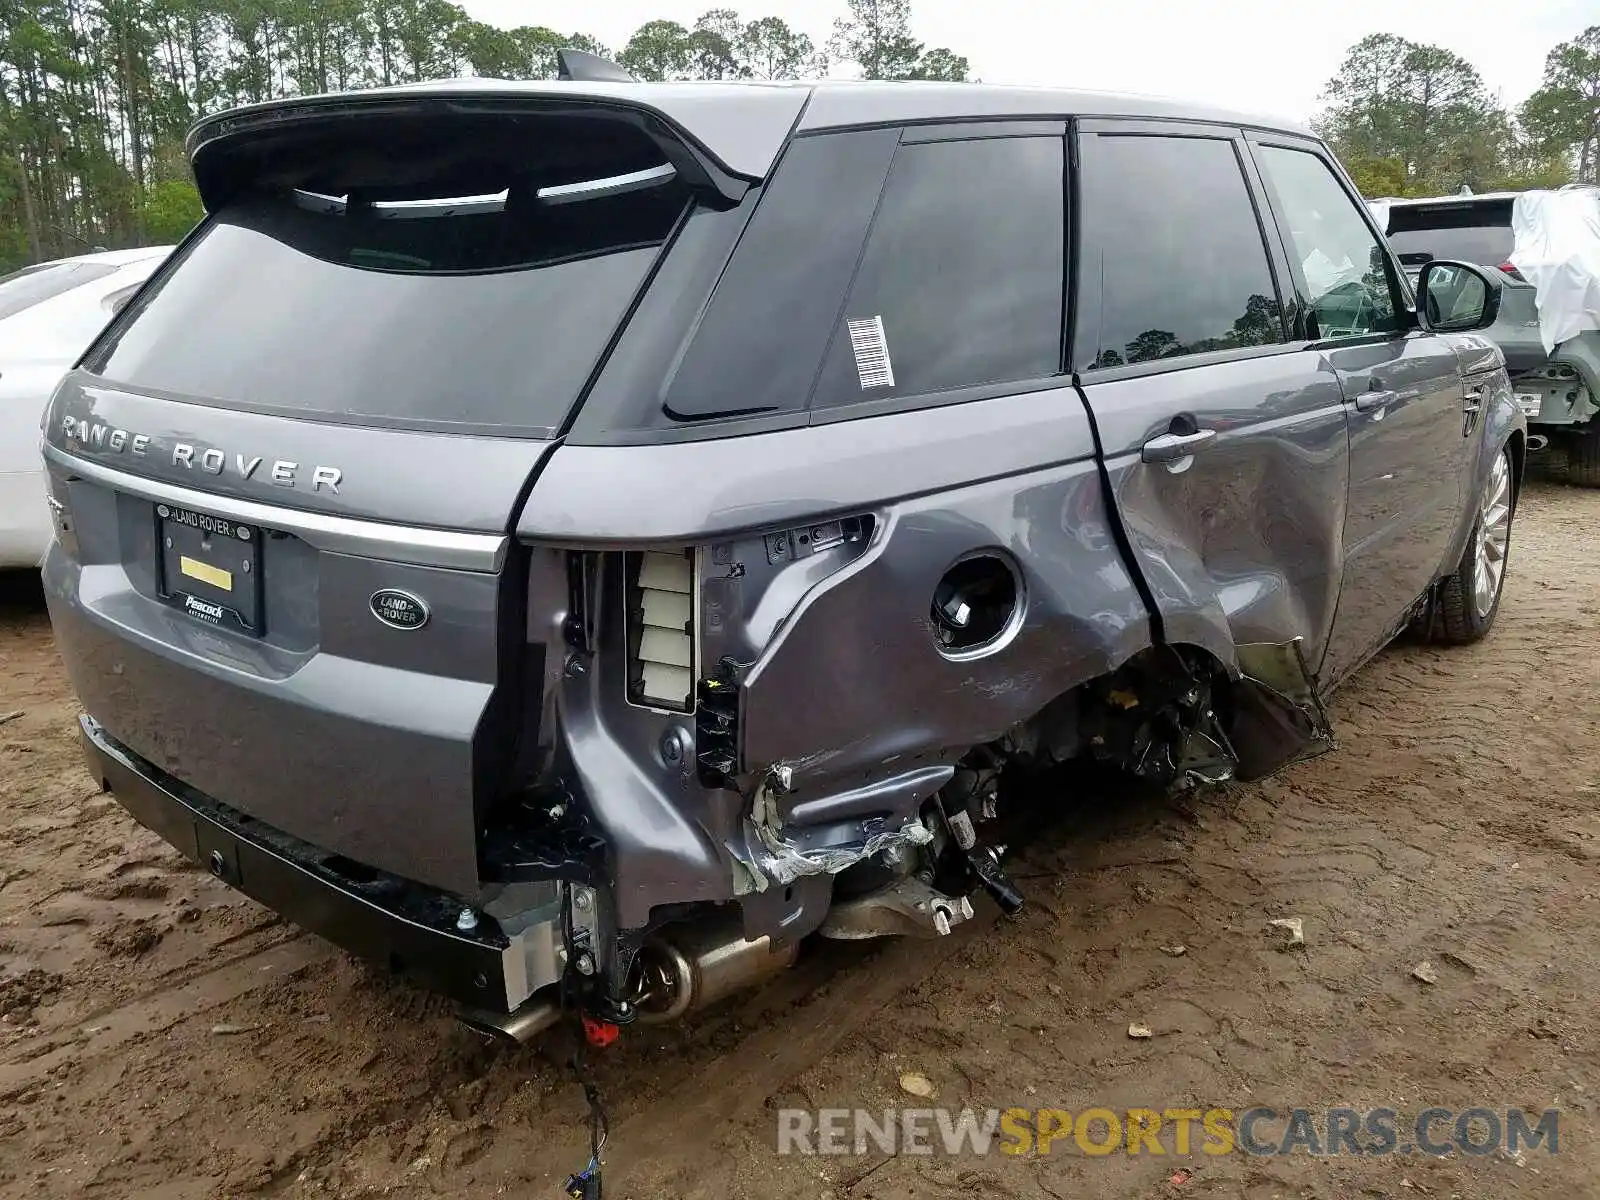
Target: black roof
x=745, y=125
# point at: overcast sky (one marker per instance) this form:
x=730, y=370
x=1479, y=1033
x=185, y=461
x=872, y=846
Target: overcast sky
x=1264, y=55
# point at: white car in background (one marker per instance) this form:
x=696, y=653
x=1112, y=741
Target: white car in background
x=49, y=314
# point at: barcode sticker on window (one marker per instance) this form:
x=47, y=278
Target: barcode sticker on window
x=872, y=353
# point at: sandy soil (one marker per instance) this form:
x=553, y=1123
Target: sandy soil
x=162, y=1037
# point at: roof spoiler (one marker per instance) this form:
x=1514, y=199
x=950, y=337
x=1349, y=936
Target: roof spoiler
x=231, y=150
x=582, y=67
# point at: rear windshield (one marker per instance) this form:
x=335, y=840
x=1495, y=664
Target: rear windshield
x=34, y=285
x=480, y=312
x=1475, y=233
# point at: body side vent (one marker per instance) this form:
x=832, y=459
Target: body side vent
x=661, y=649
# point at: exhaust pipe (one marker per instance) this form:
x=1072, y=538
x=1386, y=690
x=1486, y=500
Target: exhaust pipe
x=1537, y=442
x=698, y=965
x=695, y=967
x=519, y=1027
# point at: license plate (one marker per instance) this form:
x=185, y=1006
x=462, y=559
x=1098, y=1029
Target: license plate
x=210, y=567
x=1530, y=403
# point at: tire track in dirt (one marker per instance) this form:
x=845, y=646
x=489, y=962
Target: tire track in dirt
x=159, y=1010
x=1457, y=822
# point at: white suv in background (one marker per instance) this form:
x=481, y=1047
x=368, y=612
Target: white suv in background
x=49, y=314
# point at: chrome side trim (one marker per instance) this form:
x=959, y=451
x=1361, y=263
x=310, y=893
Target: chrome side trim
x=341, y=535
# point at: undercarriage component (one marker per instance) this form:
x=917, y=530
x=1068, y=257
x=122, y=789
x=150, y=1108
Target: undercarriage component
x=909, y=908
x=522, y=1026
x=698, y=964
x=716, y=725
x=1156, y=719
x=984, y=862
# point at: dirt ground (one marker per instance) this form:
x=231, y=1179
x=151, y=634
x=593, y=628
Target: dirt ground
x=163, y=1037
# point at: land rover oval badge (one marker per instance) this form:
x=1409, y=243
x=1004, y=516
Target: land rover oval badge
x=400, y=609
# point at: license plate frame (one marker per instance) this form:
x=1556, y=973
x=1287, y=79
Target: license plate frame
x=209, y=568
x=1529, y=402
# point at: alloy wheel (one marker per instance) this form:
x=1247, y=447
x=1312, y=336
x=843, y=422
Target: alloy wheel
x=1494, y=536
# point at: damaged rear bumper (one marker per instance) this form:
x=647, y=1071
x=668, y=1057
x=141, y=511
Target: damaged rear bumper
x=411, y=929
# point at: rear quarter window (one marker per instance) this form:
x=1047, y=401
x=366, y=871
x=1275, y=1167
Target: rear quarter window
x=757, y=349
x=878, y=271
x=962, y=278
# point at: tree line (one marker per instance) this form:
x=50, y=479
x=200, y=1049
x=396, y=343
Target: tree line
x=96, y=95
x=1416, y=120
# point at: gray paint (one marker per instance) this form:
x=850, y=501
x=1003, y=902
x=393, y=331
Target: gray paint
x=363, y=758
x=866, y=103
x=1303, y=519
x=1406, y=486
x=861, y=646
x=1246, y=544
x=455, y=482
x=684, y=490
x=744, y=125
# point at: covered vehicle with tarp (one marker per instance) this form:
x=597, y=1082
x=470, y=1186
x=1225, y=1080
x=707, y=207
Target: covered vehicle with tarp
x=1547, y=245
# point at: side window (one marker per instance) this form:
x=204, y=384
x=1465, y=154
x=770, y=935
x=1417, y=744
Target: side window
x=1343, y=269
x=1172, y=239
x=962, y=276
x=763, y=336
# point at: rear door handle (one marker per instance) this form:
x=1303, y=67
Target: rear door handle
x=1170, y=447
x=1368, y=401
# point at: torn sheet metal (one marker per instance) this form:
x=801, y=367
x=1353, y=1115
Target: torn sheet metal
x=1556, y=246
x=1278, y=718
x=780, y=858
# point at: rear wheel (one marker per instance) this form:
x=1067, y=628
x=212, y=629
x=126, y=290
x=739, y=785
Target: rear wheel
x=1469, y=598
x=1583, y=458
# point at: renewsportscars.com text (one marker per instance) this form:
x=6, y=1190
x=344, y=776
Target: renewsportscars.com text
x=1260, y=1131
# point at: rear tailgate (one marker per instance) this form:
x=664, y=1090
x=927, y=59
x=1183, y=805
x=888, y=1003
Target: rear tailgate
x=286, y=474
x=322, y=721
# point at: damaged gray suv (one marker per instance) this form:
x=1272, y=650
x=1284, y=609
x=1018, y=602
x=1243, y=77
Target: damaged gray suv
x=569, y=542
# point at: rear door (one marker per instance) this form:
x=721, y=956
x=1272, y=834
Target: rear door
x=1407, y=407
x=1224, y=439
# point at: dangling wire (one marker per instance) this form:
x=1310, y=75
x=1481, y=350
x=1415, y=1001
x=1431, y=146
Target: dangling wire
x=586, y=1184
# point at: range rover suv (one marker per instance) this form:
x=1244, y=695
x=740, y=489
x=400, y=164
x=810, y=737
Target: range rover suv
x=623, y=530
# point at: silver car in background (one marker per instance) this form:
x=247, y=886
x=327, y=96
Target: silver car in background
x=49, y=313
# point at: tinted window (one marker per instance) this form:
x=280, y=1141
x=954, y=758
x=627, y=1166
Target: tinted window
x=1342, y=267
x=34, y=285
x=764, y=334
x=962, y=276
x=491, y=311
x=1172, y=238
x=1475, y=233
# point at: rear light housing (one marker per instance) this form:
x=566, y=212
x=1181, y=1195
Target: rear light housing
x=1510, y=269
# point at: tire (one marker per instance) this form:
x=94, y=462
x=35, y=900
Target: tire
x=1469, y=597
x=1583, y=458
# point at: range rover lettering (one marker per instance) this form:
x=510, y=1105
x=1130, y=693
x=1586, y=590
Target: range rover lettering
x=712, y=502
